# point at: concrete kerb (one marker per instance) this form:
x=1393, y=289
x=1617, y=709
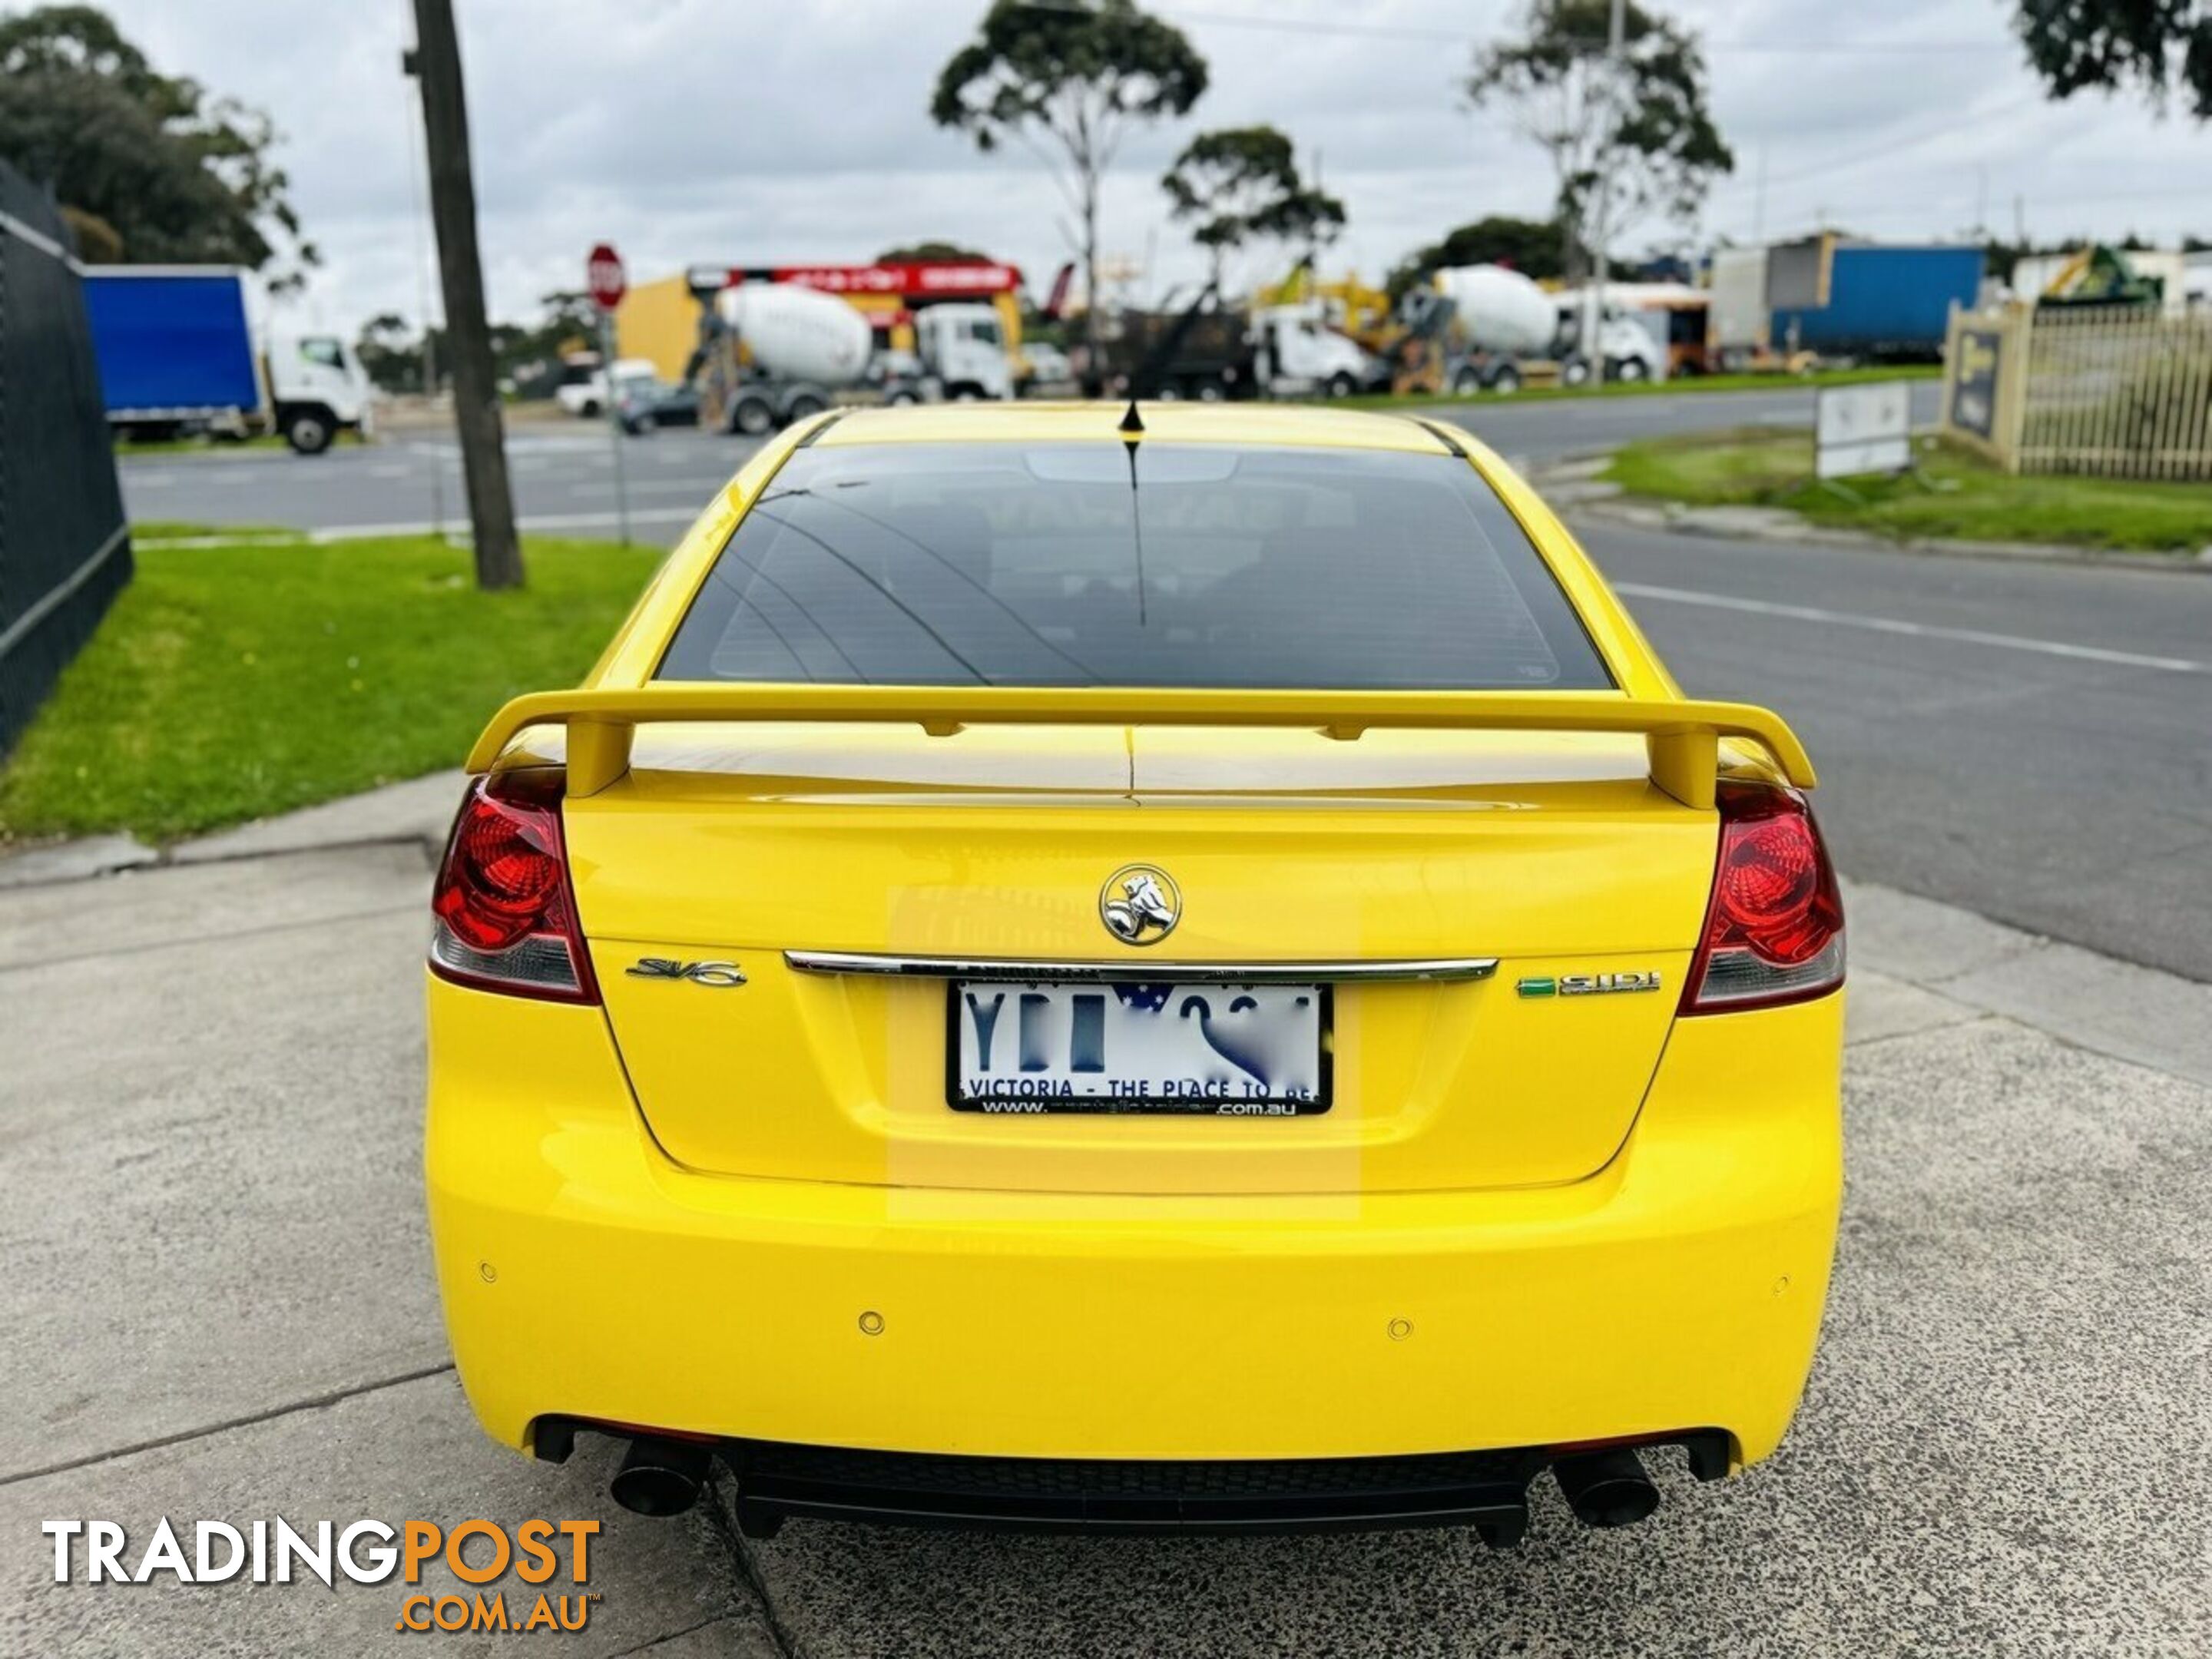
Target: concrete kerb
x=419, y=811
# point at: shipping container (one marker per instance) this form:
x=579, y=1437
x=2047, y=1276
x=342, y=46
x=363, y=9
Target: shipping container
x=1883, y=302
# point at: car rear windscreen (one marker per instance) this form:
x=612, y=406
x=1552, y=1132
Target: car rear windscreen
x=1148, y=564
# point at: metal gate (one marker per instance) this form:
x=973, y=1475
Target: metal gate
x=2107, y=391
x=64, y=546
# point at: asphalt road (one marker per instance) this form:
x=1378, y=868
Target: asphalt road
x=564, y=472
x=564, y=477
x=2032, y=742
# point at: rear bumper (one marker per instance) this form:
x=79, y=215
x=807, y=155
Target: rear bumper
x=1486, y=1490
x=586, y=1276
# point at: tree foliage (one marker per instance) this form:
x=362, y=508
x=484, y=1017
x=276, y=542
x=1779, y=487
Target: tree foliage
x=933, y=252
x=1070, y=81
x=97, y=243
x=390, y=354
x=569, y=317
x=2163, y=45
x=1641, y=127
x=1241, y=185
x=526, y=357
x=168, y=172
x=1535, y=247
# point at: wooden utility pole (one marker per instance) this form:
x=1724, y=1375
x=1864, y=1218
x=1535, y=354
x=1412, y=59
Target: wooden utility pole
x=435, y=63
x=1592, y=343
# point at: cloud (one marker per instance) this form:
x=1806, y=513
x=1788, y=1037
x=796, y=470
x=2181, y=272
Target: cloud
x=701, y=131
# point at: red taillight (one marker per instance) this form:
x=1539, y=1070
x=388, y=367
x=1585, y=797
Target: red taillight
x=1774, y=928
x=506, y=918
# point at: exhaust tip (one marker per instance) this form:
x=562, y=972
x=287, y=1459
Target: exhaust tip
x=660, y=1477
x=1606, y=1488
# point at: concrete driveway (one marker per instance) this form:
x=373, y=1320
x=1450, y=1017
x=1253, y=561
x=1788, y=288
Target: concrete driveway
x=220, y=1301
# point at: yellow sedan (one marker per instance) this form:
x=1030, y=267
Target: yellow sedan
x=1166, y=967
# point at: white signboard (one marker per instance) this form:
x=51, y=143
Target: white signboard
x=1863, y=429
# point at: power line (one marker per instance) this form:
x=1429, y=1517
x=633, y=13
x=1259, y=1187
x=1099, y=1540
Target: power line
x=1936, y=206
x=1951, y=123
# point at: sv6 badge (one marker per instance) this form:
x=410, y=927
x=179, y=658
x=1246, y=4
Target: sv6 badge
x=718, y=974
x=1588, y=985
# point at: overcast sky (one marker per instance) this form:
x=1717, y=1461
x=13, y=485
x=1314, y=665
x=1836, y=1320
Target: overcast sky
x=710, y=130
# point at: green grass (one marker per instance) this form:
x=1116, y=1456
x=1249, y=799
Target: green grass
x=156, y=530
x=1693, y=383
x=231, y=682
x=1968, y=499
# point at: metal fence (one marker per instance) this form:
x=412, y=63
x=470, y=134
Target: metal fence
x=2127, y=394
x=2103, y=391
x=64, y=546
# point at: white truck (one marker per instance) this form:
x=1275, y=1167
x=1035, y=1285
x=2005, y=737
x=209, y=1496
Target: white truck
x=317, y=389
x=1301, y=353
x=777, y=352
x=177, y=352
x=963, y=346
x=1631, y=344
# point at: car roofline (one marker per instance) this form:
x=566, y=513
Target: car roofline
x=1290, y=426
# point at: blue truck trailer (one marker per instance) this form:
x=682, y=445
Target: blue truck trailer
x=1892, y=303
x=176, y=350
x=174, y=345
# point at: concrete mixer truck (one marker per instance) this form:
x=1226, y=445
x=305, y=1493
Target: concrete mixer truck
x=772, y=353
x=1474, y=328
x=1486, y=328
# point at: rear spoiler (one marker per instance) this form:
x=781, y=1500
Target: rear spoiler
x=1682, y=735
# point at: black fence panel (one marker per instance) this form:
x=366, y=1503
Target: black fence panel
x=64, y=546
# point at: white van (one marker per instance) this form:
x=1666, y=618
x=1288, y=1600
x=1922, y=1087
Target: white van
x=582, y=390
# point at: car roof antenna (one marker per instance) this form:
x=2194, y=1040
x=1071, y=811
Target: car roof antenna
x=1132, y=429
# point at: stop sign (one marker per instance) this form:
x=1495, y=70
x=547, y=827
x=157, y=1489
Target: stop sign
x=603, y=275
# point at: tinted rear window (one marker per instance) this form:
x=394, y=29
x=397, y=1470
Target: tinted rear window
x=931, y=564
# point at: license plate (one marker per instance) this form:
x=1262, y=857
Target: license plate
x=1223, y=1050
